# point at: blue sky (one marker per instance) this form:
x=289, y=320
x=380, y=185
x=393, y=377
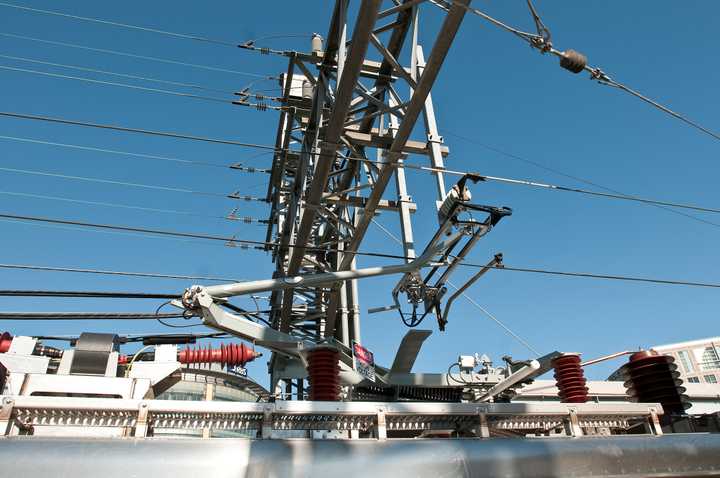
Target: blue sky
x=493, y=89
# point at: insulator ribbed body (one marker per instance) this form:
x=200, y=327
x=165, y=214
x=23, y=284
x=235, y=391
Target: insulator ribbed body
x=324, y=373
x=231, y=354
x=653, y=378
x=570, y=379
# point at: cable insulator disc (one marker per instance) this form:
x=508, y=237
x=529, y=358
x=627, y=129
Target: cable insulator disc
x=570, y=379
x=573, y=61
x=324, y=373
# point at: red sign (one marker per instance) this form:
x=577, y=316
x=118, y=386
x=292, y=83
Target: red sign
x=364, y=361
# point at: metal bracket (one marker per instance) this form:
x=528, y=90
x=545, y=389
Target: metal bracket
x=381, y=425
x=654, y=422
x=141, y=424
x=572, y=424
x=6, y=422
x=483, y=430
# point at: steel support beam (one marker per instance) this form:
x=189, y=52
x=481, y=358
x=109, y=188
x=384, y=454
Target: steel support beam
x=445, y=37
x=364, y=25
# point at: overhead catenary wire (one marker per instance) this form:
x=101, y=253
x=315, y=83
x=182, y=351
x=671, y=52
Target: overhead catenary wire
x=407, y=166
x=572, y=176
x=125, y=153
x=120, y=85
x=86, y=316
x=536, y=184
x=166, y=134
x=121, y=25
x=85, y=294
x=359, y=253
x=596, y=73
x=232, y=216
x=260, y=106
x=106, y=272
x=114, y=73
x=141, y=57
x=129, y=184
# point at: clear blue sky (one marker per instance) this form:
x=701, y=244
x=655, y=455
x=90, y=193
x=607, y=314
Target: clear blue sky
x=493, y=89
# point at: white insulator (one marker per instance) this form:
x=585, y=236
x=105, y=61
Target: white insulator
x=453, y=196
x=316, y=44
x=307, y=89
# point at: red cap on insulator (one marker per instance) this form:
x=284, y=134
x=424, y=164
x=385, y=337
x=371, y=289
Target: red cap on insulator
x=5, y=340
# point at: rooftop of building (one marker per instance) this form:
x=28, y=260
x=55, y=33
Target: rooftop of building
x=689, y=343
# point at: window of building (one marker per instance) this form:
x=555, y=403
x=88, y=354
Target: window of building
x=685, y=361
x=710, y=359
x=693, y=379
x=710, y=379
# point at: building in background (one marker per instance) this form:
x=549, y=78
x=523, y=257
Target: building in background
x=212, y=383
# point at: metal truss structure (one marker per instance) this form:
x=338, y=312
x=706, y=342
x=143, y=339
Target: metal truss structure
x=325, y=194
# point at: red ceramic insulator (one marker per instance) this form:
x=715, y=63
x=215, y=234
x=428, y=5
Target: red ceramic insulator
x=324, y=374
x=231, y=354
x=653, y=378
x=5, y=341
x=570, y=379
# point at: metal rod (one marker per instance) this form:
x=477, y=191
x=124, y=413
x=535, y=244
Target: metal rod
x=607, y=357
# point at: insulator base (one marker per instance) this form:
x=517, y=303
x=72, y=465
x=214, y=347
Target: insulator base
x=570, y=379
x=324, y=374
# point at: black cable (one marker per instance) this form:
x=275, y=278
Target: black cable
x=596, y=73
x=115, y=73
x=182, y=315
x=122, y=25
x=150, y=275
x=129, y=184
x=177, y=234
x=142, y=57
x=120, y=85
x=573, y=177
x=127, y=339
x=542, y=30
x=137, y=130
x=359, y=253
x=232, y=216
x=86, y=294
x=603, y=276
x=408, y=166
x=124, y=153
x=83, y=316
x=241, y=311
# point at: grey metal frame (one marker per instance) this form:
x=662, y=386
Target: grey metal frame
x=19, y=414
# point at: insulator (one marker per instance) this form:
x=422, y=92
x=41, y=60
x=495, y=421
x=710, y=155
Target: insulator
x=264, y=51
x=573, y=61
x=324, y=373
x=5, y=340
x=307, y=89
x=316, y=43
x=653, y=378
x=453, y=197
x=46, y=351
x=231, y=354
x=570, y=379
